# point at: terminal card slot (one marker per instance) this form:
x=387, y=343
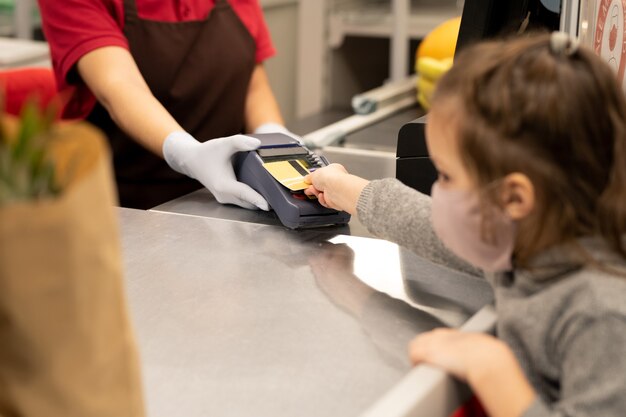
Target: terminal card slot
x=281, y=152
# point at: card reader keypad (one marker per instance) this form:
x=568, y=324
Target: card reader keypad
x=314, y=161
x=308, y=158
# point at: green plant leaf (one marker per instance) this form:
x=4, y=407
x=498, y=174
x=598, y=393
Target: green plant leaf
x=26, y=172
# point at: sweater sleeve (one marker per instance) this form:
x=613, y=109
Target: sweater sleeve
x=393, y=211
x=593, y=380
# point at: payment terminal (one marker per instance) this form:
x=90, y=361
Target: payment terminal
x=276, y=170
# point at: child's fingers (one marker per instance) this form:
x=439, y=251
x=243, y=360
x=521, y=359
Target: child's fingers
x=322, y=199
x=417, y=351
x=423, y=347
x=311, y=191
x=328, y=202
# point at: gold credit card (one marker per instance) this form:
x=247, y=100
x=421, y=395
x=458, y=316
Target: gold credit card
x=289, y=173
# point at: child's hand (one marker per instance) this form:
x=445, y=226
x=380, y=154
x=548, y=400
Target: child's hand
x=321, y=181
x=460, y=354
x=486, y=363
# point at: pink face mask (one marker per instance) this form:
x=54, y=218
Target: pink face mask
x=458, y=221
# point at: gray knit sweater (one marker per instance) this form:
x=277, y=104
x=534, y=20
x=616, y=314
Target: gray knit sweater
x=565, y=322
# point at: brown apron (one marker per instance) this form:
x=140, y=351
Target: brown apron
x=200, y=72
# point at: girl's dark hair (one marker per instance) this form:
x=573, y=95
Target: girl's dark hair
x=558, y=117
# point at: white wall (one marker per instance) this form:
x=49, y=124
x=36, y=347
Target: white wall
x=282, y=19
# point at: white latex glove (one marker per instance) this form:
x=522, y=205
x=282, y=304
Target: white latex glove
x=277, y=128
x=211, y=163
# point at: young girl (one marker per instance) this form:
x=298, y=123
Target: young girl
x=529, y=139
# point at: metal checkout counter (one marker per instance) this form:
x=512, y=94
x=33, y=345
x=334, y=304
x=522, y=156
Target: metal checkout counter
x=236, y=315
x=236, y=318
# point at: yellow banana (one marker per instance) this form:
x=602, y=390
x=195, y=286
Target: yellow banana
x=432, y=68
x=423, y=101
x=425, y=86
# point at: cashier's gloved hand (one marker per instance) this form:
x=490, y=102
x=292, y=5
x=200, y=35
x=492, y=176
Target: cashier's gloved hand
x=277, y=128
x=211, y=163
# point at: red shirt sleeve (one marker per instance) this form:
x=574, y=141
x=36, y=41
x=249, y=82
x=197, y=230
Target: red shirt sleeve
x=74, y=28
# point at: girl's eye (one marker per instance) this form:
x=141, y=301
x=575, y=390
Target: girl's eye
x=443, y=177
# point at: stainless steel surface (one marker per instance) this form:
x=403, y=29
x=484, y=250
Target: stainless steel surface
x=337, y=132
x=382, y=136
x=242, y=319
x=201, y=203
x=369, y=101
x=368, y=164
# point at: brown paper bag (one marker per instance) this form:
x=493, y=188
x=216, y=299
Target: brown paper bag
x=66, y=344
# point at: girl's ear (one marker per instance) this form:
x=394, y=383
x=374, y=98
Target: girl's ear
x=518, y=196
